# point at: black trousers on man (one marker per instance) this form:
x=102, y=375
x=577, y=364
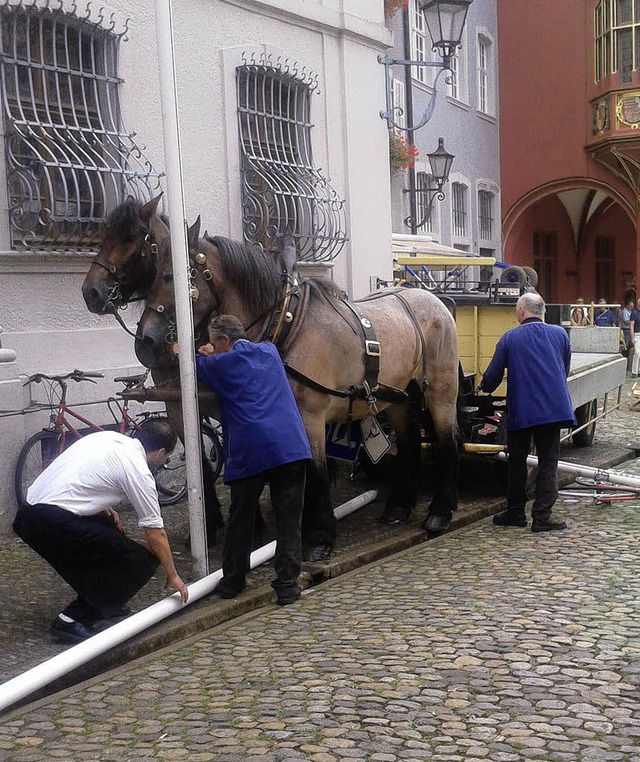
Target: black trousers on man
x=286, y=483
x=547, y=441
x=103, y=566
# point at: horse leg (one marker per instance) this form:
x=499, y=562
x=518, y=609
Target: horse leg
x=442, y=402
x=318, y=521
x=406, y=465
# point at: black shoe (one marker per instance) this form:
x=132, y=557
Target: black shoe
x=288, y=592
x=227, y=591
x=120, y=612
x=70, y=632
x=510, y=519
x=549, y=525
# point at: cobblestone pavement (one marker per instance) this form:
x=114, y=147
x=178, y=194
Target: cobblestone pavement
x=485, y=644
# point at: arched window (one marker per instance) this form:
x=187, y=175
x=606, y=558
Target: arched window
x=68, y=160
x=617, y=38
x=280, y=186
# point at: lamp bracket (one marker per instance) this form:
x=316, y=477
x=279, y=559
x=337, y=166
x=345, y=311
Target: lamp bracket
x=388, y=114
x=433, y=194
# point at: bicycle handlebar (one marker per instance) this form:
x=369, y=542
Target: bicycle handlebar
x=75, y=375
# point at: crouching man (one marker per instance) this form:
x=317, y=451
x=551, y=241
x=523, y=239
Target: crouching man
x=69, y=520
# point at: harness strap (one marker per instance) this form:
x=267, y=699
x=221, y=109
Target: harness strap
x=371, y=349
x=315, y=385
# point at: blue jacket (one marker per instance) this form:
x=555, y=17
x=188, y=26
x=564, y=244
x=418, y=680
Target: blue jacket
x=261, y=424
x=537, y=357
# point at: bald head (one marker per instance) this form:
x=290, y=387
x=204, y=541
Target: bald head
x=529, y=305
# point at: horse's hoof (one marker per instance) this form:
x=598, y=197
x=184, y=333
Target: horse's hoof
x=395, y=515
x=435, y=524
x=316, y=552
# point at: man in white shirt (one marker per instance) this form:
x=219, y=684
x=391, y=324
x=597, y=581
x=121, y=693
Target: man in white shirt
x=69, y=520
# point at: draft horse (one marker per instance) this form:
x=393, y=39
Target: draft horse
x=122, y=272
x=323, y=344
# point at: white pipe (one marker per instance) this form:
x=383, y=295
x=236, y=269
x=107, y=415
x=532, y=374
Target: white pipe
x=37, y=677
x=184, y=315
x=613, y=477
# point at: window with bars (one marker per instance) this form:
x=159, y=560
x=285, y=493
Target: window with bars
x=617, y=39
x=68, y=162
x=484, y=75
x=485, y=215
x=281, y=188
x=459, y=209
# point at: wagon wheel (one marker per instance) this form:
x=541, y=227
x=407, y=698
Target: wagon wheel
x=584, y=414
x=532, y=276
x=515, y=275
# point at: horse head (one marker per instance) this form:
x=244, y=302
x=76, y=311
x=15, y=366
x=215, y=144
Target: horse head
x=125, y=265
x=157, y=328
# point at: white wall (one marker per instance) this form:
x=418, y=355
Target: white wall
x=41, y=308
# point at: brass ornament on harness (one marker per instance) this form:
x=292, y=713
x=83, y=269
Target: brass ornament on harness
x=200, y=258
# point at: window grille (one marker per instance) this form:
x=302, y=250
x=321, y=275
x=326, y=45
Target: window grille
x=459, y=208
x=280, y=186
x=68, y=162
x=485, y=215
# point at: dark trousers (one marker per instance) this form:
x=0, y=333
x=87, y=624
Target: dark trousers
x=547, y=441
x=103, y=566
x=286, y=483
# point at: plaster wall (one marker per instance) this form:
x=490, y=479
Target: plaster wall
x=42, y=313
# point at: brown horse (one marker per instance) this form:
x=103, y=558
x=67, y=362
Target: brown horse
x=123, y=271
x=325, y=343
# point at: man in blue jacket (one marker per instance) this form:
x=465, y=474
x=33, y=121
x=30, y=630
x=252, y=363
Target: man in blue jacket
x=537, y=358
x=265, y=441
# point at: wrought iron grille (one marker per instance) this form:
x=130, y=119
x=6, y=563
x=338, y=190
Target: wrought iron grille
x=280, y=186
x=68, y=161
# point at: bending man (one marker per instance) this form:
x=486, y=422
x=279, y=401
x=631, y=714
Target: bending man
x=537, y=358
x=69, y=520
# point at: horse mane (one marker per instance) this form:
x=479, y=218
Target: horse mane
x=253, y=273
x=327, y=287
x=123, y=221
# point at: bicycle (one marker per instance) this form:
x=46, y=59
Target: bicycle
x=603, y=493
x=44, y=446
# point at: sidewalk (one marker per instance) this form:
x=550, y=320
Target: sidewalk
x=33, y=594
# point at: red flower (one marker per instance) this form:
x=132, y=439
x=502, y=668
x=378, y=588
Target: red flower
x=391, y=7
x=402, y=153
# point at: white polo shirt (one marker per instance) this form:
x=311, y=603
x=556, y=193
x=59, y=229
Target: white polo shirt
x=98, y=472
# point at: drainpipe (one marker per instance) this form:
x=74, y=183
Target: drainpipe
x=28, y=682
x=408, y=93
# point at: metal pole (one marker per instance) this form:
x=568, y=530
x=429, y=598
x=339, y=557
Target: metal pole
x=184, y=316
x=46, y=672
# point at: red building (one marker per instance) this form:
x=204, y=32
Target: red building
x=570, y=144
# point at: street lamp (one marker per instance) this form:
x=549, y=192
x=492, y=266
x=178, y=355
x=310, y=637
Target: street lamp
x=440, y=162
x=445, y=20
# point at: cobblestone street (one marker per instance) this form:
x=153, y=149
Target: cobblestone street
x=484, y=644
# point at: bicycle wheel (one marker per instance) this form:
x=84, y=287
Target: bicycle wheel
x=38, y=452
x=171, y=479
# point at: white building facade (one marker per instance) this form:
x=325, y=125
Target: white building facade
x=279, y=106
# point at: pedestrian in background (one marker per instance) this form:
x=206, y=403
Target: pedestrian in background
x=605, y=315
x=579, y=314
x=628, y=329
x=537, y=358
x=70, y=521
x=634, y=321
x=265, y=441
